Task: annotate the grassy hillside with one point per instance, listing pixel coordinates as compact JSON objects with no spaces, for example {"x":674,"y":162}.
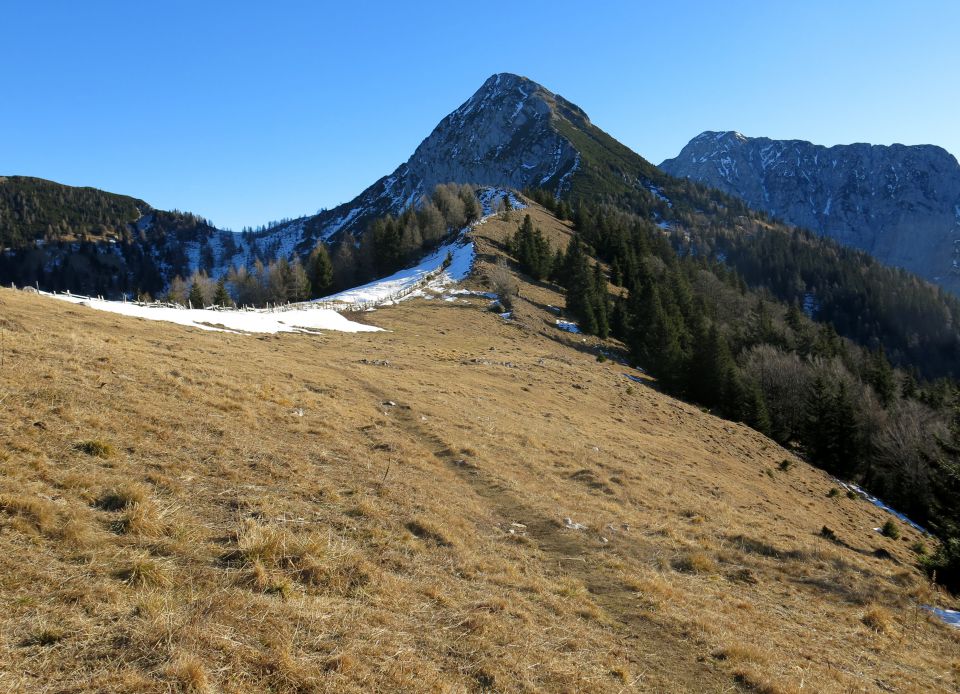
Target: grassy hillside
{"x":192,"y":511}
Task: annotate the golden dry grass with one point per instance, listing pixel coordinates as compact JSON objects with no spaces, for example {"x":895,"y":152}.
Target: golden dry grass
{"x":230,"y":543}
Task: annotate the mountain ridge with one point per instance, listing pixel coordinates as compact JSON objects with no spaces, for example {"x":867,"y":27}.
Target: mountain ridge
{"x":900,"y":203}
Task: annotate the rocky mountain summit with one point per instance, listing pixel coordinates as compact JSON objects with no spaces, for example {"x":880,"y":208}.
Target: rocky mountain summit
{"x":503,"y":135}
{"x":899,"y":203}
{"x":511,"y":133}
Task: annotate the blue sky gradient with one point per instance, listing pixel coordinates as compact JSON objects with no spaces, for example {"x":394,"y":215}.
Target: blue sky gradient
{"x":248,"y":112}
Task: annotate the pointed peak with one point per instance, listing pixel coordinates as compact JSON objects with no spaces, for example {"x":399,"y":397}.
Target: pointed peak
{"x":505,"y":80}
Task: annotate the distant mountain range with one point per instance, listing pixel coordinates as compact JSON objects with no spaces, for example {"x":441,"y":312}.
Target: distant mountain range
{"x":900,"y":204}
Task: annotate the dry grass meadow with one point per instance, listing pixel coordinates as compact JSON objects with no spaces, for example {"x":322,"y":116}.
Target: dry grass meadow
{"x":208,"y":512}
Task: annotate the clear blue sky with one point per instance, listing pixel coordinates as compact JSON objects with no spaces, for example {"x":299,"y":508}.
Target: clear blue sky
{"x":247,"y":112}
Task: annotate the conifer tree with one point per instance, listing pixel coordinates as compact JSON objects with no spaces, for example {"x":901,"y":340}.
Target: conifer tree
{"x":320,"y":270}
{"x":556,"y":267}
{"x":846,"y":453}
{"x":880,"y":376}
{"x":278,"y":281}
{"x":618,"y":318}
{"x":710,"y":367}
{"x":221,"y":297}
{"x":345,"y":263}
{"x":600,"y":302}
{"x":816,"y":426}
{"x":581,"y":293}
{"x":196,"y":296}
{"x":794,"y":318}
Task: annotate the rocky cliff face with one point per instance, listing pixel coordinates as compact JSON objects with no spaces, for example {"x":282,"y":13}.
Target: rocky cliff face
{"x":901,"y":204}
{"x":509,"y":133}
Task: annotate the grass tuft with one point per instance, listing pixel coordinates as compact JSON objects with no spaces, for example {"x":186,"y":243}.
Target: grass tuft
{"x":190,"y":674}
{"x":140,"y":518}
{"x":36,"y":511}
{"x":696,"y":563}
{"x":144,"y":572}
{"x":96,"y":448}
{"x":879,"y":619}
{"x":121,"y":498}
{"x":46,"y":636}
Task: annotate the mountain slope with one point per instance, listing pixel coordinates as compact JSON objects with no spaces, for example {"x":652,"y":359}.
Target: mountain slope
{"x":511,"y":133}
{"x":94,"y":242}
{"x":900,"y":204}
{"x":396,"y":531}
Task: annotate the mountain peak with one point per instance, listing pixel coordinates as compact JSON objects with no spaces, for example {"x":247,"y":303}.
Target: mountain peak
{"x":506,"y":134}
{"x":900,"y":203}
{"x":511,"y":133}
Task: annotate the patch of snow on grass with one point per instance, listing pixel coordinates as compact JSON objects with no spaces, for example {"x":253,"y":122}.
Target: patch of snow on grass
{"x":490,"y":198}
{"x":471,"y":292}
{"x":879,"y":504}
{"x":568,"y":326}
{"x":951,"y":617}
{"x":299,"y":318}
{"x":405,"y":283}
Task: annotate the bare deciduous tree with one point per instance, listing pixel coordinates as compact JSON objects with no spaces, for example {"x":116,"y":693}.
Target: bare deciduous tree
{"x":503,"y":283}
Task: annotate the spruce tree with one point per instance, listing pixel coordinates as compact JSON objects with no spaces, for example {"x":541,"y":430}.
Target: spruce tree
{"x":618,"y":318}
{"x":600,"y":303}
{"x":581,"y":290}
{"x":846,"y":451}
{"x":345,"y":263}
{"x":556,"y":267}
{"x":222,"y":298}
{"x":880,"y":376}
{"x":196,"y":296}
{"x":320,"y":270}
{"x":816,"y":434}
{"x":710,"y":367}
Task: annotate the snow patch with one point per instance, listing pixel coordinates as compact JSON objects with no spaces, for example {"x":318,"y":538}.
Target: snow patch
{"x":520,"y":103}
{"x":568,"y":326}
{"x":339,"y":223}
{"x":296,"y":318}
{"x":951,"y":617}
{"x":879,"y":504}
{"x":490,"y":199}
{"x":658,"y":194}
{"x":403,"y":284}
{"x":565,"y":179}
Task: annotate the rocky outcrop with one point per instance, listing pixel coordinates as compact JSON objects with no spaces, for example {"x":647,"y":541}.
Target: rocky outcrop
{"x":900,"y":204}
